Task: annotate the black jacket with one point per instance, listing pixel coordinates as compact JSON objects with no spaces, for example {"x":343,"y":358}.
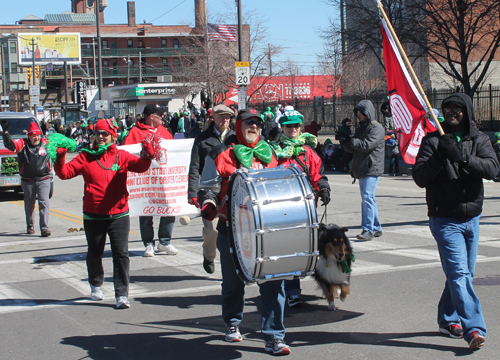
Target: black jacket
{"x":456,"y":189}
{"x":203,"y":143}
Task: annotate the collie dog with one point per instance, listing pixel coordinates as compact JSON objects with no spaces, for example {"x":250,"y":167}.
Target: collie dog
{"x":334,"y":263}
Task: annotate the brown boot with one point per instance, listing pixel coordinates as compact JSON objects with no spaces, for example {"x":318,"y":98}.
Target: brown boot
{"x":46,"y":232}
{"x":31,"y":230}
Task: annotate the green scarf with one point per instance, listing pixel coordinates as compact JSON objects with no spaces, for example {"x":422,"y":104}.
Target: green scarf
{"x":245,"y":154}
{"x":293,"y":147}
{"x":101,"y":149}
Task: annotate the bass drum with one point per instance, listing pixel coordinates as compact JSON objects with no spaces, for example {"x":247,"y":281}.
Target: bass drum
{"x":272,"y":224}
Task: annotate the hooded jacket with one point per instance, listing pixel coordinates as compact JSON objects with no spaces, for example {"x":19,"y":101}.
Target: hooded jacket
{"x":368,"y":144}
{"x":34,"y":162}
{"x":140,"y":130}
{"x":456,"y":189}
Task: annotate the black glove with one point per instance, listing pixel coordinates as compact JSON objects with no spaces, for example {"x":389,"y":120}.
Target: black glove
{"x":448,"y":148}
{"x":5,"y":125}
{"x":324,"y":195}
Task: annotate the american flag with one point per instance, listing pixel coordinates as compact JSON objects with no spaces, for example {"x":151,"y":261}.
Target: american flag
{"x":222,"y":32}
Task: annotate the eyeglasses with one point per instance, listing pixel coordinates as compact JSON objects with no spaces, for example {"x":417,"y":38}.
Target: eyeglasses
{"x":102,"y":133}
{"x":454,"y":110}
{"x":292,"y":125}
{"x":251,"y":122}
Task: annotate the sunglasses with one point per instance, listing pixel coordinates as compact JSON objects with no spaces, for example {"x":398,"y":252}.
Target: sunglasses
{"x":251,"y":122}
{"x":290,"y":126}
{"x":454,"y":110}
{"x":102,"y":133}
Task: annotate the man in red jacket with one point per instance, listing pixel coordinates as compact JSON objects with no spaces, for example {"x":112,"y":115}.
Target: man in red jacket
{"x":151,"y":123}
{"x":245,"y":149}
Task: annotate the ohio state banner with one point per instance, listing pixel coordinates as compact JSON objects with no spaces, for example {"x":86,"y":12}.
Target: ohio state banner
{"x":162,"y":190}
{"x":407,"y":105}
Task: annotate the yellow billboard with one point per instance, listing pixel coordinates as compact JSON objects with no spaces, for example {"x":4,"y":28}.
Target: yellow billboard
{"x":49,"y":48}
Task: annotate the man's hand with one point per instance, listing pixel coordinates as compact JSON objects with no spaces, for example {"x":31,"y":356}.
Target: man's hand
{"x":447,"y":148}
{"x":324,"y":195}
{"x":147,"y":151}
{"x":5,"y":125}
{"x":208,"y":212}
{"x":194,"y":201}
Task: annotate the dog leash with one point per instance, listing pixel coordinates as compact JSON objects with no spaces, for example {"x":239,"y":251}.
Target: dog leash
{"x":325,"y":216}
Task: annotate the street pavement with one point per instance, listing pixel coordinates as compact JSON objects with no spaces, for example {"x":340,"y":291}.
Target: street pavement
{"x":46,"y":313}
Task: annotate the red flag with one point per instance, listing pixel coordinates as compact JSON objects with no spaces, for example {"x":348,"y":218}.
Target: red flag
{"x":407,"y":105}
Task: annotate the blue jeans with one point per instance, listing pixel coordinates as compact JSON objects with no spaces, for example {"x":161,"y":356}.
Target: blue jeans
{"x":272,"y":296}
{"x":457,"y":241}
{"x":369,"y":211}
{"x":164,"y":230}
{"x":394,"y":163}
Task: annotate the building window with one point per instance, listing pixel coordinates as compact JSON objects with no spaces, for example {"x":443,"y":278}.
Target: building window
{"x":163,"y":43}
{"x":140,"y":45}
{"x":13,"y":68}
{"x":176,"y":43}
{"x":13,"y":47}
{"x":130,"y":43}
{"x":164,"y":63}
{"x":105,"y":64}
{"x":113,"y":45}
{"x":177,"y":62}
{"x":105,"y":44}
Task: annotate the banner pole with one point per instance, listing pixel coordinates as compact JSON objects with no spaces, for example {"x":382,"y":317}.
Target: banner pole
{"x":409,"y":66}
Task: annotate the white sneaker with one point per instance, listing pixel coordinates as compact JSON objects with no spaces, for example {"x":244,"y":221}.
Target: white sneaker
{"x":150,"y":250}
{"x":169,"y":249}
{"x":122,"y":302}
{"x":96,"y":293}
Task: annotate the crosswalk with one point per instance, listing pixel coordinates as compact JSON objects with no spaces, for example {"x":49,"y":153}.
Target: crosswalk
{"x":69,"y":270}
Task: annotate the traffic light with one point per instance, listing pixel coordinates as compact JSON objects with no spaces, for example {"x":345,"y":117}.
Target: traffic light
{"x":37,"y":71}
{"x":29,"y":73}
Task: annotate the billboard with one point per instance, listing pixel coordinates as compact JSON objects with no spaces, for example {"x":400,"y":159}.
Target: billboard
{"x":49,"y":48}
{"x":286,"y":88}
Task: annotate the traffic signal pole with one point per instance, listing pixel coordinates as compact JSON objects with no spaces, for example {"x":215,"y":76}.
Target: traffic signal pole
{"x":33,"y":69}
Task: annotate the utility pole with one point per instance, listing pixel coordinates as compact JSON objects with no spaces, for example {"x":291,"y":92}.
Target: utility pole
{"x":99,"y":50}
{"x":33,"y":59}
{"x":128,"y":69}
{"x":140,"y":67}
{"x":240,"y":32}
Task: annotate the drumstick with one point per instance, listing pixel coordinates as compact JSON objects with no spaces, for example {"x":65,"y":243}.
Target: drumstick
{"x":185,"y":220}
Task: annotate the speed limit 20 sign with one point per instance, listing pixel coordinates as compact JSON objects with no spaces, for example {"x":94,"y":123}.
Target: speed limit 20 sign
{"x":242,"y":72}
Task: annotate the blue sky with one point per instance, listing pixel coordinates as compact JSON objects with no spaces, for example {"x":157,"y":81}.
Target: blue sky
{"x":293,"y":24}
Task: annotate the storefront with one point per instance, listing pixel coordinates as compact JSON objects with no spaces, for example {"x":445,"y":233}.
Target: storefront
{"x":131,"y":99}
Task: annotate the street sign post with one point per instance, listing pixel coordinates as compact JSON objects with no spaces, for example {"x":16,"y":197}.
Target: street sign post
{"x":34,"y":100}
{"x":5,"y":102}
{"x":242,"y":69}
{"x":34,"y":90}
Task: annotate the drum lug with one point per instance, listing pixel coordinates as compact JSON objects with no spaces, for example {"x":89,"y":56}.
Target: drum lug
{"x":315,"y":225}
{"x":259,"y":260}
{"x":260,"y":232}
{"x":309,"y":197}
{"x":315,"y":253}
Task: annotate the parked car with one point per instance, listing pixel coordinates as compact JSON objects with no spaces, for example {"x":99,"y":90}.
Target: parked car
{"x":9,"y":172}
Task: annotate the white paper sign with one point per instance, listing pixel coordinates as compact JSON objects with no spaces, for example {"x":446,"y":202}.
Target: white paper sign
{"x":162,"y":190}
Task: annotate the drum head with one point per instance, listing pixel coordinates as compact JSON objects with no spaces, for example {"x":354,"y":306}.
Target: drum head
{"x":241,"y":230}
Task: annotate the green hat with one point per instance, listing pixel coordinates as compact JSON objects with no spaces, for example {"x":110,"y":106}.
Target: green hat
{"x":497,"y":135}
{"x":291,"y":117}
{"x":186,"y":112}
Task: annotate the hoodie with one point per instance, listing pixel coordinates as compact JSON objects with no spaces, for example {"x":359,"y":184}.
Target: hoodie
{"x":368,"y":144}
{"x":455,"y":189}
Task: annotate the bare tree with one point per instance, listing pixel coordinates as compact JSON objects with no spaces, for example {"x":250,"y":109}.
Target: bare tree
{"x":461,"y":37}
{"x":330,"y":64}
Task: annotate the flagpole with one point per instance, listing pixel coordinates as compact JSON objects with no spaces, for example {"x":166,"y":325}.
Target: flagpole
{"x":409,"y":66}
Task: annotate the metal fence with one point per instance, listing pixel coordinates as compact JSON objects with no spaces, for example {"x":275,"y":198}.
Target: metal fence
{"x":329,"y":112}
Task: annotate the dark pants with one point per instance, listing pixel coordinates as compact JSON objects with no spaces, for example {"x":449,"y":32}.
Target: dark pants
{"x":117,"y":230}
{"x":164,"y":230}
{"x":31,"y":190}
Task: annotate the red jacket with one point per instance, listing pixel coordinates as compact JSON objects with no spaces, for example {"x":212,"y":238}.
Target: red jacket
{"x":314,"y":166}
{"x":140,"y":130}
{"x":105,"y":191}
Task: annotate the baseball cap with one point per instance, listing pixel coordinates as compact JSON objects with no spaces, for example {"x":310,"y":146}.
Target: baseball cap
{"x":222,"y":110}
{"x":153,"y":109}
{"x":245,"y":114}
{"x":291,"y":117}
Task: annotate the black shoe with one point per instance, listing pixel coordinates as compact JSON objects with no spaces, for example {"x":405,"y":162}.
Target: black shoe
{"x":365,"y":235}
{"x":46,"y":233}
{"x":294,"y":300}
{"x":209,"y":266}
{"x":377,"y":233}
{"x":453,"y":330}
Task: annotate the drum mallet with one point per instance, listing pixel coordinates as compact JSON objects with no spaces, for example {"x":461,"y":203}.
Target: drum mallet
{"x":185,"y":220}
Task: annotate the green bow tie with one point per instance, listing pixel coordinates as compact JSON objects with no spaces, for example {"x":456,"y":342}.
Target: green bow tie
{"x":261,"y":151}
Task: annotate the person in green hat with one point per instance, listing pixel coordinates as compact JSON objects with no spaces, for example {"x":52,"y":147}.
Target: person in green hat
{"x":296,"y":147}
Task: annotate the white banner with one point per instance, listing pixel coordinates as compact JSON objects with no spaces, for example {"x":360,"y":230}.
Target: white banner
{"x":162,"y":190}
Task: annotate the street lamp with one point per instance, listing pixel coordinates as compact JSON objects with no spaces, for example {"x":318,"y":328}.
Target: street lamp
{"x":129,"y":62}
